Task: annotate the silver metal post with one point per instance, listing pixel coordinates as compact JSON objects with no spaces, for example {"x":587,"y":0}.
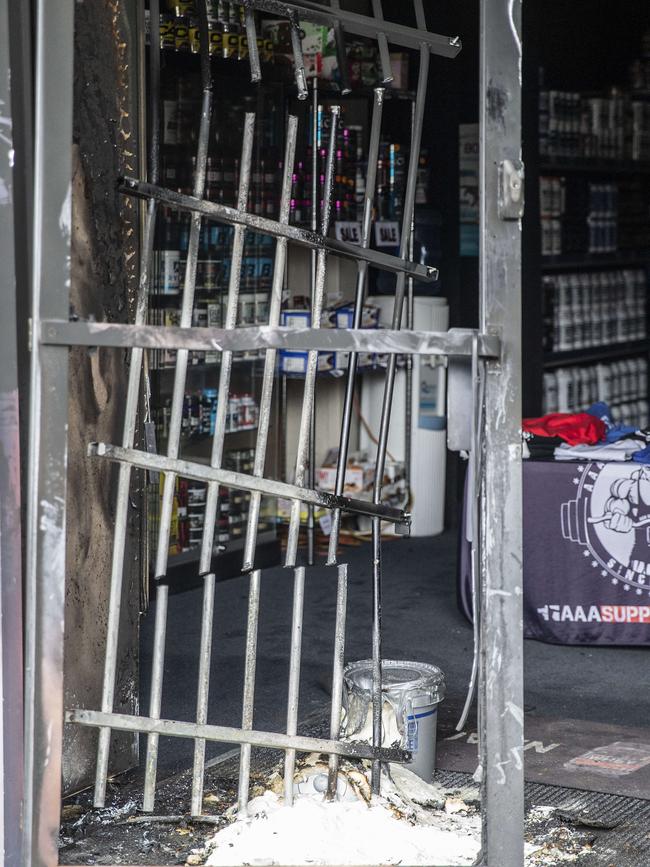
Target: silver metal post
{"x":362,"y":279}
{"x":176,"y":415}
{"x":249,"y":687}
{"x":212,"y":493}
{"x":46,"y":529}
{"x":337,"y":674}
{"x":268,"y":375}
{"x":312,"y":357}
{"x":294,"y":679}
{"x":501,"y":714}
{"x":409,"y":203}
{"x":11,"y":577}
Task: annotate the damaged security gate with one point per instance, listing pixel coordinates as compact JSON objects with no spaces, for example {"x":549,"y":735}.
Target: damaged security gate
{"x":493,"y":351}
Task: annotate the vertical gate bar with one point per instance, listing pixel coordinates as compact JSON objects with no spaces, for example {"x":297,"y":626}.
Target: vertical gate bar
{"x":408,"y":390}
{"x":251,"y":37}
{"x":230,"y":321}
{"x":501,"y":669}
{"x":409,"y":204}
{"x":203,"y":691}
{"x":312,"y":357}
{"x":45,"y":542}
{"x":249,"y":687}
{"x":155,"y":695}
{"x":337,"y":674}
{"x":420,"y":18}
{"x":341,"y":53}
{"x":382,"y":42}
{"x":187,"y":305}
{"x":270,"y":355}
{"x":294,"y":679}
{"x":377,"y":701}
{"x":212,"y":495}
{"x":312,"y":258}
{"x":474,"y":493}
{"x":298,"y":59}
{"x":178,"y":392}
{"x":359,"y":298}
{"x":130,"y":417}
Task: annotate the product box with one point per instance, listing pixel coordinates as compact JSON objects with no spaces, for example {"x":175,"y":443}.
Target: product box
{"x":359,"y":474}
{"x":344,"y":316}
{"x":283,"y":511}
{"x":365,"y":360}
{"x":314,"y":40}
{"x":295,"y":318}
{"x":293,"y":362}
{"x":399,"y":64}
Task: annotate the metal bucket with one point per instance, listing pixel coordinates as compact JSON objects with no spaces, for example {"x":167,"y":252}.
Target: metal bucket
{"x":412,"y":692}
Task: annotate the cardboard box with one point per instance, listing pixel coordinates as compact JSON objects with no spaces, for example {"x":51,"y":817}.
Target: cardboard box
{"x":399,"y":64}
{"x":358,"y":477}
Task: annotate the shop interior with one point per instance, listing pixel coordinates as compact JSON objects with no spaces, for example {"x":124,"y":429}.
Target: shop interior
{"x":585,"y":280}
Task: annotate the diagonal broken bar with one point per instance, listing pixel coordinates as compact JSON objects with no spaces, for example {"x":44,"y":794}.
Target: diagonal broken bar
{"x":264,"y":226}
{"x":230,"y":735}
{"x":203,"y":473}
{"x":363,"y":25}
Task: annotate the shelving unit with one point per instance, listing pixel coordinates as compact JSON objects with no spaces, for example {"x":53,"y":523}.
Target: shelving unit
{"x":272,"y":100}
{"x":180,"y":109}
{"x":589,"y":288}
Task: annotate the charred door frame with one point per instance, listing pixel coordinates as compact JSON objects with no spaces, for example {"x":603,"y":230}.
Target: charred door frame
{"x":500,"y":712}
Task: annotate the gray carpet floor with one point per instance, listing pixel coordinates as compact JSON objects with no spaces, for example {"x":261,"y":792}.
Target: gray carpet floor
{"x":421,"y":621}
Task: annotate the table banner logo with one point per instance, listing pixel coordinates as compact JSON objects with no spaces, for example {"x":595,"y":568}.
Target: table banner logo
{"x":610,"y":519}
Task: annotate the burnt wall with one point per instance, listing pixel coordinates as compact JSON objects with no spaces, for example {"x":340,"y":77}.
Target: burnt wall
{"x":103,"y":283}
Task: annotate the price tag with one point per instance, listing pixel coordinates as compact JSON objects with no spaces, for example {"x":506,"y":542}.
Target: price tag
{"x":348,"y":232}
{"x":387,"y":234}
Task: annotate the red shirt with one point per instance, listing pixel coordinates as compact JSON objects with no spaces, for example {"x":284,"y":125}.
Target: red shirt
{"x":575,"y":428}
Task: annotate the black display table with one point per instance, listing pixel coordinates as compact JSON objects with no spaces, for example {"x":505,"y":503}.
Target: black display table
{"x":584,"y":582}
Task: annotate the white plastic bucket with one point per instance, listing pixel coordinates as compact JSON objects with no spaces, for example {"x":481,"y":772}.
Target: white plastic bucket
{"x":412,"y":692}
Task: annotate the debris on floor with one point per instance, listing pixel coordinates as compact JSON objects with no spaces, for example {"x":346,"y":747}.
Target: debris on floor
{"x":392,"y":829}
{"x":551,"y":841}
{"x":574,"y":829}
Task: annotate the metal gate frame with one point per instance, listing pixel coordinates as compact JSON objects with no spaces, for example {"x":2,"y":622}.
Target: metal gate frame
{"x":495,"y":349}
{"x":11,"y":637}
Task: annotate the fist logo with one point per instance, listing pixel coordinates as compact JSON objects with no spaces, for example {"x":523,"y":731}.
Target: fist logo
{"x":617,"y":512}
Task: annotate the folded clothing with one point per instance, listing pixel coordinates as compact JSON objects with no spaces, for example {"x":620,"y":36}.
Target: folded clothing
{"x":602,"y":411}
{"x":618,"y":432}
{"x":574,"y":428}
{"x":622,"y":450}
{"x":642,"y":456}
{"x":541,"y":447}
